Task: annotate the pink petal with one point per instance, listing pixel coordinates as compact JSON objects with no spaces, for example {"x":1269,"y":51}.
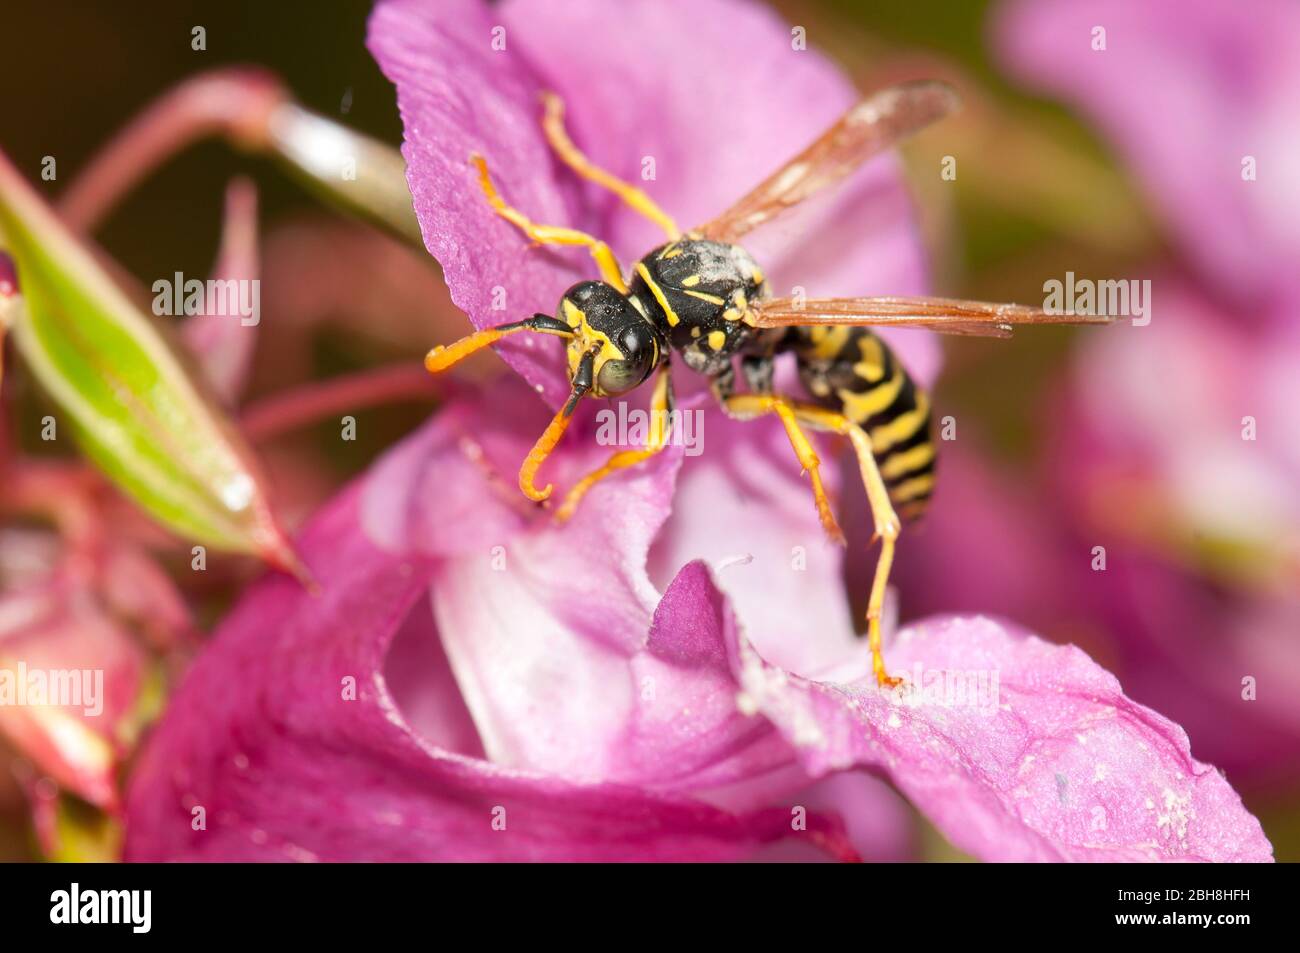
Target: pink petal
{"x":1069,"y":770}
{"x":879,"y":826}
{"x":261,"y":737}
{"x":458,"y":96}
{"x":744,"y":507}
{"x":451,"y":486}
{"x":1054,"y":764}
{"x":1187,"y":647}
{"x":554,"y":632}
{"x":546,"y":626}
{"x":640,"y":93}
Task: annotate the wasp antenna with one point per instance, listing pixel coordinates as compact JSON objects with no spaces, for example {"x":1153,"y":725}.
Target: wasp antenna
{"x":444,"y":356}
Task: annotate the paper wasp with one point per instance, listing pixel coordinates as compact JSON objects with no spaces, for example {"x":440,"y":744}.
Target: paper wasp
{"x":704,"y":297}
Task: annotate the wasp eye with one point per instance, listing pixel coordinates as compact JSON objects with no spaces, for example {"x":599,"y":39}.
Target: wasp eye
{"x":619,"y":377}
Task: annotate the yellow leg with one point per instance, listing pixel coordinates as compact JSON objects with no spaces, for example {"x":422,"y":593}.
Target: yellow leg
{"x":660,"y":404}
{"x":633,"y":197}
{"x":887,"y":524}
{"x":749,"y":406}
{"x":551,"y":234}
{"x":580,"y":387}
{"x":537,"y":456}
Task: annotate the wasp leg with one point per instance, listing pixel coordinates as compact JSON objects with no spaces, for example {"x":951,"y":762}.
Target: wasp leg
{"x":749,"y":406}
{"x":887,"y":525}
{"x":444,"y":356}
{"x":551,"y":234}
{"x":661,"y":405}
{"x":633,"y":197}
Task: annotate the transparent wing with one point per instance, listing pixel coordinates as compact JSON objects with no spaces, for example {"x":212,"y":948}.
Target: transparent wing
{"x":946,"y":315}
{"x":872,"y":126}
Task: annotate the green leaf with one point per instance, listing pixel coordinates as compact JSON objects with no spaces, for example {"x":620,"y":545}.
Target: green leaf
{"x":133,"y":407}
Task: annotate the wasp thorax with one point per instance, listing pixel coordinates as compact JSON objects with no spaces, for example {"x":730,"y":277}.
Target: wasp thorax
{"x":624,"y":344}
{"x":701,"y":292}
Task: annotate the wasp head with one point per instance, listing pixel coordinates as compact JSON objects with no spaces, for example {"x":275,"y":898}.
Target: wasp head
{"x":614,"y":346}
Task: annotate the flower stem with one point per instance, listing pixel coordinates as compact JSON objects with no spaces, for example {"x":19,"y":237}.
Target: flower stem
{"x":234,"y":103}
{"x":254,"y":112}
{"x":10,"y":302}
{"x":348,"y":392}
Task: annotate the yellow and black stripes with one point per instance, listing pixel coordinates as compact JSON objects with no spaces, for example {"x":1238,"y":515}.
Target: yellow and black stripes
{"x":853,"y":371}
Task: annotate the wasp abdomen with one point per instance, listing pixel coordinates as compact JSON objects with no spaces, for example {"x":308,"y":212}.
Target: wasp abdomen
{"x":853,"y":371}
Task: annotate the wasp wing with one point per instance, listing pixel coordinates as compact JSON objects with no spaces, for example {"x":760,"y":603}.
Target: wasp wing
{"x":872,"y":126}
{"x":947,"y":315}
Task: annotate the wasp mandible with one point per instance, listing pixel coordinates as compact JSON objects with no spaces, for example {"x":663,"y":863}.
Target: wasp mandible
{"x":702,"y":296}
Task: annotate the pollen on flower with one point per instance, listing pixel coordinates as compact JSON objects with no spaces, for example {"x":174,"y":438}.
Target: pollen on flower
{"x":1176,"y":813}
{"x":808,"y":734}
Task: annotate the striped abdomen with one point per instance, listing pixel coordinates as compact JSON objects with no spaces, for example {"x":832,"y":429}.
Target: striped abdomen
{"x":852,"y":370}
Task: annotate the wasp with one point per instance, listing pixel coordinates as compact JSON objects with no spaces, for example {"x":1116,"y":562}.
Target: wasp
{"x":704,"y":299}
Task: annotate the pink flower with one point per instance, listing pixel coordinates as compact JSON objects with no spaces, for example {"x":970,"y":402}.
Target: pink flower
{"x":596,"y":719}
{"x":70,"y":673}
{"x":475,"y":681}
